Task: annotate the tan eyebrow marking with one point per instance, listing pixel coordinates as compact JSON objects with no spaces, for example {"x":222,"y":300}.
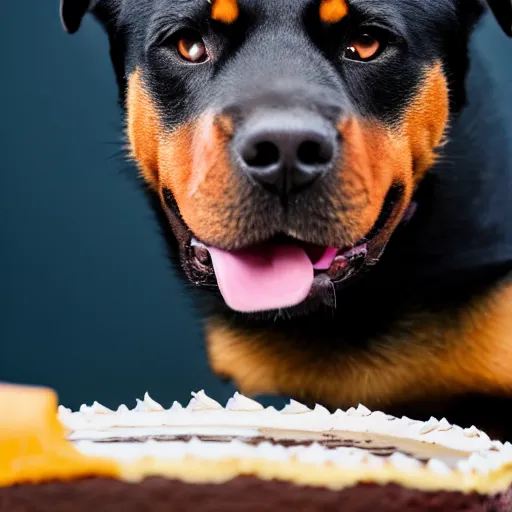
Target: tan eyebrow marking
{"x":225,"y":11}
{"x":333,"y":11}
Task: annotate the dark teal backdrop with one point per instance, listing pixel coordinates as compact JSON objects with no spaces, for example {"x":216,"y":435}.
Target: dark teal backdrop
{"x":88,"y":302}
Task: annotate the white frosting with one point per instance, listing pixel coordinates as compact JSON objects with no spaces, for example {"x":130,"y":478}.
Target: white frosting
{"x":444,"y":426}
{"x":243,"y":404}
{"x":403,"y":462}
{"x":246,"y":418}
{"x":472,"y":432}
{"x":497,"y":445}
{"x":431,"y":425}
{"x":321,"y":411}
{"x":151,"y":404}
{"x":295,"y":407}
{"x":97,"y":408}
{"x":407,"y":421}
{"x":86,"y":410}
{"x":148,"y":405}
{"x":438,"y":467}
{"x":362,"y":411}
{"x":201,"y":402}
{"x":176,"y":406}
{"x":380,"y":416}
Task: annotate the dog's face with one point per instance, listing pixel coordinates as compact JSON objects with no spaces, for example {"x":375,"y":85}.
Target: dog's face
{"x":285,"y":139}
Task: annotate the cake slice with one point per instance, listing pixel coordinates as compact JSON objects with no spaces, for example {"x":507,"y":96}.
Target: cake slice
{"x":241,"y":457}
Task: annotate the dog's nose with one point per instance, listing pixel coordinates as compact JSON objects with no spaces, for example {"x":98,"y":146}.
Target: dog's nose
{"x":286,"y":152}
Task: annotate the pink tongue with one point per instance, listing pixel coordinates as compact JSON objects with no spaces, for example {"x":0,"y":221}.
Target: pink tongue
{"x":263,"y":278}
{"x":325,"y":261}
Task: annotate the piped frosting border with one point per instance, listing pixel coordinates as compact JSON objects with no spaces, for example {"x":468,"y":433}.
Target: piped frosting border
{"x":240,"y":412}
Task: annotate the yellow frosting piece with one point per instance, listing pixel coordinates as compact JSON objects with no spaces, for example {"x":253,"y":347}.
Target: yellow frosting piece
{"x":33,"y":447}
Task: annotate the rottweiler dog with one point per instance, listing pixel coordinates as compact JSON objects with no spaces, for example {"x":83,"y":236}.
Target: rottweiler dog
{"x":335,"y":184}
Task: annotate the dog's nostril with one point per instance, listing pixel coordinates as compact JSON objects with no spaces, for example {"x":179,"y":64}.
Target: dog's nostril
{"x":262,"y":154}
{"x":313,"y":153}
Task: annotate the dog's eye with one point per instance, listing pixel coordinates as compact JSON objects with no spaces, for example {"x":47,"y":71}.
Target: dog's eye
{"x":365,"y":47}
{"x":191,"y":47}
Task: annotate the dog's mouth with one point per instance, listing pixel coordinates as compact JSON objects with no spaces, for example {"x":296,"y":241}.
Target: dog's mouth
{"x":283,"y":272}
{"x":277,"y":274}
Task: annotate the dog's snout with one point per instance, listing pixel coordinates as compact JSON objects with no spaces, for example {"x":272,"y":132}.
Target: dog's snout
{"x":286,"y":152}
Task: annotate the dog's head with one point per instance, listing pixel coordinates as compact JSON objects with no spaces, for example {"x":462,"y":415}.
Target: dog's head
{"x":286,"y":139}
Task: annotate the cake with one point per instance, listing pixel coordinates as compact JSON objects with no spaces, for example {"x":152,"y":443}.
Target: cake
{"x":242,"y":457}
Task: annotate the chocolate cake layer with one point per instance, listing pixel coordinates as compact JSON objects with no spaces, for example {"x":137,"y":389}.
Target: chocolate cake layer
{"x":241,"y":494}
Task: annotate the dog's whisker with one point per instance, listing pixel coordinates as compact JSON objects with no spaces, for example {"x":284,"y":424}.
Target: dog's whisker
{"x":334,"y":295}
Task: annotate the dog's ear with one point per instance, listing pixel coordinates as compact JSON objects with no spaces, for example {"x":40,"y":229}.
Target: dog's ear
{"x":72,"y":12}
{"x":107,"y":13}
{"x":502,"y":10}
